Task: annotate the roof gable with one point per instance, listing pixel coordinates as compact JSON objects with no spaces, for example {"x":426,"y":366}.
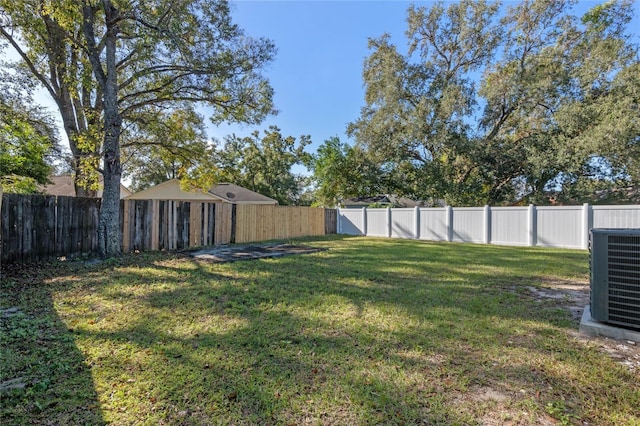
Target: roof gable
{"x":239,"y":195}
{"x":63,"y":186}
{"x":171,"y":190}
{"x":222,"y":192}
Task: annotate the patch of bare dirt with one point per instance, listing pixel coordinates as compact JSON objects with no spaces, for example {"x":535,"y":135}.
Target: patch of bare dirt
{"x":496,"y":407}
{"x":221,"y":254}
{"x":487,"y":393}
{"x":574,"y":296}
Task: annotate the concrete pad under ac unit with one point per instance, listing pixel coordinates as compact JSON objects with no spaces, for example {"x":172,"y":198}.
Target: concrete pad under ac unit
{"x":592,"y":327}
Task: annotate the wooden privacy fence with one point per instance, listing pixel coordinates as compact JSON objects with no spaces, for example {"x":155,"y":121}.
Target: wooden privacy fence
{"x":37,"y":227}
{"x":330,"y":221}
{"x":34,"y":227}
{"x":174,"y":225}
{"x":267,"y":222}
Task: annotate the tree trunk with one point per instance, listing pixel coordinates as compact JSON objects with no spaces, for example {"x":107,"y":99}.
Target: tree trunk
{"x":109,"y":225}
{"x":109,"y":231}
{"x":71,"y":121}
{"x":109,"y":235}
{"x":72,"y":109}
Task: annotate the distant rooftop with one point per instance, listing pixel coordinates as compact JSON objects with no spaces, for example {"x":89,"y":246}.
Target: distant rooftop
{"x":238,"y":194}
{"x":63,"y":186}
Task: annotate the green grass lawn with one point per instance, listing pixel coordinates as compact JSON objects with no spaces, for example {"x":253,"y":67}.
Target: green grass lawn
{"x":371,"y":331}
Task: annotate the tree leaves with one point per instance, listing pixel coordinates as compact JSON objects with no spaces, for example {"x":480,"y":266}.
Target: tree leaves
{"x":28,"y":141}
{"x":264,"y":164}
{"x":495,"y":107}
{"x":169,"y":55}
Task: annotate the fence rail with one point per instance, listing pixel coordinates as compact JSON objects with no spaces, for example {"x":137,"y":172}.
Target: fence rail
{"x":564,"y":227}
{"x":37,"y":227}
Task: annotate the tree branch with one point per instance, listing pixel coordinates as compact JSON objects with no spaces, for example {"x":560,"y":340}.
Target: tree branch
{"x":93,"y":52}
{"x":30,"y":64}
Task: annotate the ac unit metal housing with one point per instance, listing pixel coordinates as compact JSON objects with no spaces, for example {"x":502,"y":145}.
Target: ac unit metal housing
{"x":615,"y":276}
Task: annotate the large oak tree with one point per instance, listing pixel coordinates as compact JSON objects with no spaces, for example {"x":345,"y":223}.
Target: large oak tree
{"x":494,"y":105}
{"x":264,"y":163}
{"x":115,"y":64}
{"x":340,"y":171}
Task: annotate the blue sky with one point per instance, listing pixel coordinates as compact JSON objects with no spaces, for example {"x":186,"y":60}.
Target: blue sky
{"x":317,"y":73}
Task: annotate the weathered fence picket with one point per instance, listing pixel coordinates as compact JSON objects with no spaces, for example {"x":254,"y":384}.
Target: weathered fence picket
{"x":330,"y":221}
{"x":37,"y":227}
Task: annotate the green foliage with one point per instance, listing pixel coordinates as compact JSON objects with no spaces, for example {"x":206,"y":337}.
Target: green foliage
{"x":164,"y":145}
{"x":341,"y":171}
{"x":48,"y":40}
{"x":370,"y":331}
{"x":263,"y":164}
{"x":108,"y":64}
{"x":554,"y":95}
{"x":28,"y":141}
{"x":169,"y":56}
{"x":14,"y":184}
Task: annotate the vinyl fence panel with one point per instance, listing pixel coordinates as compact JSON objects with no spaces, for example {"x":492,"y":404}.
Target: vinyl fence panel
{"x":560,"y":227}
{"x":377,"y":225}
{"x":433,"y":224}
{"x":468,"y":224}
{"x":616,"y":216}
{"x":509,"y":225}
{"x":403,"y":223}
{"x":563,"y":226}
{"x":351,"y":222}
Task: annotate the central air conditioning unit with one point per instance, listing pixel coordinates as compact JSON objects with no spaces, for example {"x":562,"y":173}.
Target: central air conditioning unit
{"x":615,"y":276}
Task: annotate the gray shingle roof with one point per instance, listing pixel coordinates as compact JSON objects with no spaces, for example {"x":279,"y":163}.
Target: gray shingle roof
{"x":63,"y":186}
{"x":238,"y":194}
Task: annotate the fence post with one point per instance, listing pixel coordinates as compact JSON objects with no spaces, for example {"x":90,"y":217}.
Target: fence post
{"x":416,"y":223}
{"x":364,"y":221}
{"x":1,"y":243}
{"x":487,"y":224}
{"x":389,"y":222}
{"x":234,"y":224}
{"x":449,"y":213}
{"x":338,"y":221}
{"x":587,"y":224}
{"x":126,"y":230}
{"x":532,"y":237}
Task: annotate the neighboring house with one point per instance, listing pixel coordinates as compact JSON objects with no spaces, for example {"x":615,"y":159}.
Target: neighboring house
{"x":389,"y":200}
{"x":220,"y":193}
{"x":63,"y":185}
{"x":360,"y":202}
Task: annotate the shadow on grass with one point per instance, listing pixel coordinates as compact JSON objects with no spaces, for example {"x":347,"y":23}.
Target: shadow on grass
{"x":369,"y":332}
{"x":44,"y":378}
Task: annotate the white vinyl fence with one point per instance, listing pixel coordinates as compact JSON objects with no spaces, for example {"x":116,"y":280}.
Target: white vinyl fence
{"x":565,"y":227}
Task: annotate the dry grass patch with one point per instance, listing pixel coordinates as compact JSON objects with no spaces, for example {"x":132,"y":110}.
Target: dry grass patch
{"x":368,"y":332}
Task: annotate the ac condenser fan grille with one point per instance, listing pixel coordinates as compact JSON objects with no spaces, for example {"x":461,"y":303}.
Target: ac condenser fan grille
{"x":624,"y":279}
